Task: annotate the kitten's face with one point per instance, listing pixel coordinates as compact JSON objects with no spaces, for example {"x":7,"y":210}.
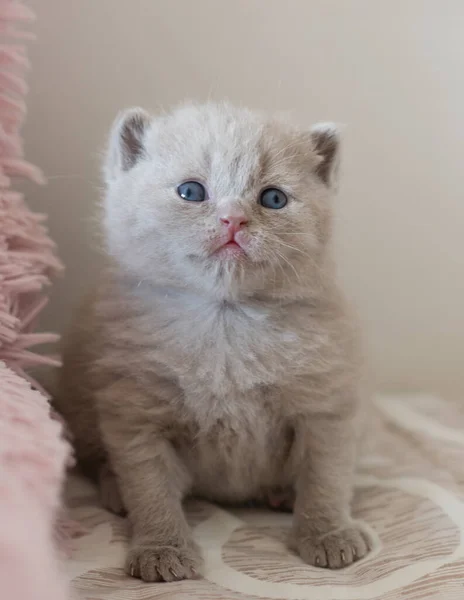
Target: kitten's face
{"x":219,"y":198}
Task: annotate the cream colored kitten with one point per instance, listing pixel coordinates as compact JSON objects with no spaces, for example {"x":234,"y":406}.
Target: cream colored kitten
{"x":216,"y":356}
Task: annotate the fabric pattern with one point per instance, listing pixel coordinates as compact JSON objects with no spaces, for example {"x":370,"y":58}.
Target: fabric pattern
{"x":409,"y":494}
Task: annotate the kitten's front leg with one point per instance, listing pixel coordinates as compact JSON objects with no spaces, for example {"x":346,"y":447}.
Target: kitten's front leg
{"x":153,"y":482}
{"x":324,"y":533}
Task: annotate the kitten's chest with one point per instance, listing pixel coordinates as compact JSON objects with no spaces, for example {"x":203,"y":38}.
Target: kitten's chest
{"x":225,"y":348}
{"x":240,"y":457}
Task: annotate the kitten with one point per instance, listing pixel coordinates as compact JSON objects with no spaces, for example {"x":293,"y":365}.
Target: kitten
{"x":217,"y":357}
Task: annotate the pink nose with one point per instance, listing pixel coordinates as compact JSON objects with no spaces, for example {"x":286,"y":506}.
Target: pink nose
{"x":234,"y":221}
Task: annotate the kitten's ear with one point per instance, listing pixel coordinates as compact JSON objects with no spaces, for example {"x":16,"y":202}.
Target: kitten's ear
{"x":126,"y":142}
{"x":326,"y":143}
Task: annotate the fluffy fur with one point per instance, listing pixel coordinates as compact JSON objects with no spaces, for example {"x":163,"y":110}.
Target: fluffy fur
{"x":231,"y":376}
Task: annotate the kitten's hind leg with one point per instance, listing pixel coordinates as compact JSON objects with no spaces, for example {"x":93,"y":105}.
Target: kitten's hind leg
{"x":108,"y":487}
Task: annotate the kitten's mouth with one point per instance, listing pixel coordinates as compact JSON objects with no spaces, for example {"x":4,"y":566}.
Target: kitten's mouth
{"x":232,"y":244}
{"x":231,"y":249}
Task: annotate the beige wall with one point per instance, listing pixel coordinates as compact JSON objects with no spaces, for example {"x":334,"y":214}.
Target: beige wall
{"x":391,"y":70}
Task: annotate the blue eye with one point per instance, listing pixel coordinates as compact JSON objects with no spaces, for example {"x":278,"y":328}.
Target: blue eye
{"x":273,"y":198}
{"x":192,"y":191}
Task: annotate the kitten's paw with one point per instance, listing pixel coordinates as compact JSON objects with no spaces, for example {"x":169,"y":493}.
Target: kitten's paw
{"x":110,"y":496}
{"x":163,"y":563}
{"x":334,"y":550}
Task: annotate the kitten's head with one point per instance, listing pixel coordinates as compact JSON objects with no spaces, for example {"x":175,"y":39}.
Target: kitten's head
{"x":220,"y":199}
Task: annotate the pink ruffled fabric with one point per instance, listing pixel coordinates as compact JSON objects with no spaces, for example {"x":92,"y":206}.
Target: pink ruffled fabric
{"x":27,"y":255}
{"x":33,"y":453}
{"x":32,"y":462}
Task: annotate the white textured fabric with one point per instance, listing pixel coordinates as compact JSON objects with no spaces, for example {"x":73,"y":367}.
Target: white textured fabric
{"x":410,"y":494}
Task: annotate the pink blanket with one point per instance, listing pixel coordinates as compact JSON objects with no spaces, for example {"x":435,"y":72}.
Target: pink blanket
{"x":32,"y":463}
{"x":33,"y":454}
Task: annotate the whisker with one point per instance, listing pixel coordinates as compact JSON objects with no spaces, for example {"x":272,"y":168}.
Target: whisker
{"x":314,"y":265}
{"x":280,"y":255}
{"x":293,"y":144}
{"x":294,"y":248}
{"x":284,"y":160}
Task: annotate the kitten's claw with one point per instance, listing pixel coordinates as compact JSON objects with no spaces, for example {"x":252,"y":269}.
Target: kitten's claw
{"x":334,"y":550}
{"x":132,"y":571}
{"x":151,"y":562}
